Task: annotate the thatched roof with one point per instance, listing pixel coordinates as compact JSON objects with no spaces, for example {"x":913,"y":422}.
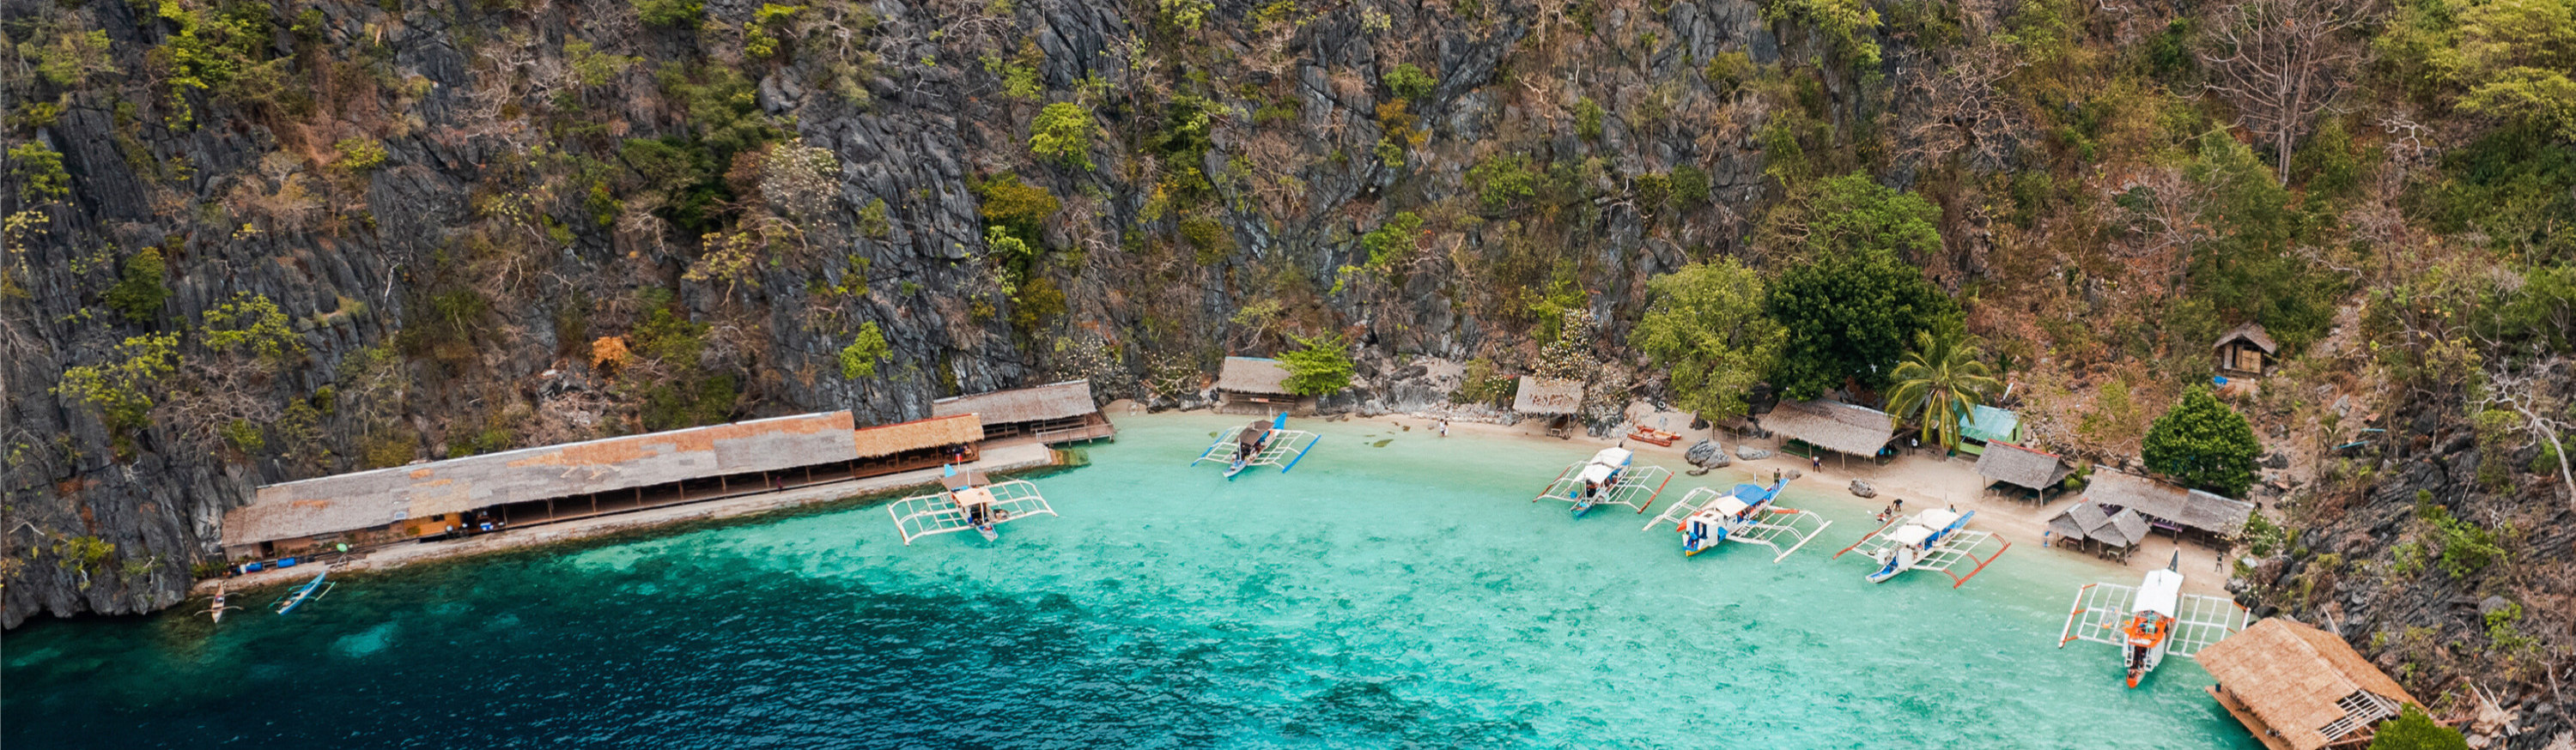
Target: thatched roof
{"x":2089,"y":520}
{"x":2292,"y":676}
{"x":2202,"y":510}
{"x":1071,"y":398}
{"x":1253,"y":375}
{"x":2170,"y":502}
{"x":1989,"y":424}
{"x":1833,"y":426}
{"x":348,"y":502}
{"x":1548,"y":396}
{"x":2251,"y":333}
{"x":2021,"y":467}
{"x":935,"y":432}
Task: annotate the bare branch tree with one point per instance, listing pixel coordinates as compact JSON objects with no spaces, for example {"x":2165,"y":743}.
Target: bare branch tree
{"x":2524,"y":393}
{"x":2280,"y":62}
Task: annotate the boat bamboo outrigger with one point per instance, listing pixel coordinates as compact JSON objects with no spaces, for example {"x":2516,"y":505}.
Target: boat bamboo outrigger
{"x":968,"y":501}
{"x":2151,"y":619}
{"x":1608,"y":478}
{"x":312,"y":590}
{"x":1265,"y":442}
{"x":216,"y":610}
{"x":1937,"y":539}
{"x":1706,"y":517}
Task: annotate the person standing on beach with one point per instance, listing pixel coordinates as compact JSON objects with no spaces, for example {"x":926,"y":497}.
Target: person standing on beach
{"x":1816,"y":460}
{"x":1444,"y":428}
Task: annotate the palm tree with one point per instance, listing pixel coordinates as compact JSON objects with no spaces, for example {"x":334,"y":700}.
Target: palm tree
{"x":1939,"y":383}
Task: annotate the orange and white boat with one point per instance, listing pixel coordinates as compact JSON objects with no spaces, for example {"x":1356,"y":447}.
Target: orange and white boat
{"x":2151,"y":619}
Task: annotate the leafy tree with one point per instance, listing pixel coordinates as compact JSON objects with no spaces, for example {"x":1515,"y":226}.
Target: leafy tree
{"x":139,"y":292}
{"x":2412,"y":730}
{"x":1410,"y":82}
{"x":121,"y":387}
{"x":1319,"y":366}
{"x":2203,"y":443}
{"x":1939,"y":382}
{"x":1847,"y":25}
{"x":2505,"y":58}
{"x":253,"y":324}
{"x":860,"y":358}
{"x":1855,"y":213}
{"x":40,"y":172}
{"x":1706,"y":327}
{"x":678,"y":14}
{"x":1849,"y":315}
{"x":1062,"y":132}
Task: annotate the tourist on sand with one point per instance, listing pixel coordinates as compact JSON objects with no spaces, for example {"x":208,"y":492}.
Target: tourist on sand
{"x":1444,"y":428}
{"x":1816,"y":460}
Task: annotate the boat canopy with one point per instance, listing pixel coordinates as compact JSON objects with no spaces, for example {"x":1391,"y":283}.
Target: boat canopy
{"x":1936,"y":519}
{"x":1912,"y":535}
{"x":2159,"y":592}
{"x":1729,"y":505}
{"x":973,"y":496}
{"x":1605,"y":463}
{"x":1614,"y":456}
{"x":1260,"y":428}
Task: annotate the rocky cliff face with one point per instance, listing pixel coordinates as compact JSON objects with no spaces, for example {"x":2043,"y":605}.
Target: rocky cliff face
{"x":490,"y":223}
{"x":2445,"y":556}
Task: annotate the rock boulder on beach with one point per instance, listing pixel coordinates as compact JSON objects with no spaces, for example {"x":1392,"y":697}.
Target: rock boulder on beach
{"x":1863,"y":489}
{"x":1750,"y":453}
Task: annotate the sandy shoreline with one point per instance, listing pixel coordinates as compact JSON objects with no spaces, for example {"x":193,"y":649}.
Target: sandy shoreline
{"x":1921,"y":480}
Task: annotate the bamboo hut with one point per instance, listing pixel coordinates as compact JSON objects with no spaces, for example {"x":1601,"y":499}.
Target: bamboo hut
{"x":1557,"y":401}
{"x":2106,"y":532}
{"x":918,"y":444}
{"x":2022,"y":472}
{"x":2246,"y":351}
{"x":2299,"y":688}
{"x":1055,"y":413}
{"x":1256,"y":385}
{"x":1833,"y":426}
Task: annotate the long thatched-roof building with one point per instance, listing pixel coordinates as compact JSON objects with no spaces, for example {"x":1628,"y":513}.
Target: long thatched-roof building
{"x":2170,"y":506}
{"x":2022,"y":471}
{"x":1833,"y":426}
{"x":2300,"y":688}
{"x":572,"y":480}
{"x":1257,"y":385}
{"x":1053,"y":413}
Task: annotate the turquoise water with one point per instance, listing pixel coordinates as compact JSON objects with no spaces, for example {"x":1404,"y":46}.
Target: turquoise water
{"x":1395,"y":590}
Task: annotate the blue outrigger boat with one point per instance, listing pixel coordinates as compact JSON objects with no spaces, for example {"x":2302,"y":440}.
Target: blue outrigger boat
{"x":309,"y":591}
{"x":1265,"y":442}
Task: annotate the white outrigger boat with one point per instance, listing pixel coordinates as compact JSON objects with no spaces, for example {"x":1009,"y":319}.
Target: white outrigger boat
{"x":1265,"y":442}
{"x":1937,"y":539}
{"x":1608,"y":478}
{"x":968,"y":501}
{"x":2151,"y":619}
{"x":312,"y":590}
{"x":216,"y":610}
{"x":1706,"y":517}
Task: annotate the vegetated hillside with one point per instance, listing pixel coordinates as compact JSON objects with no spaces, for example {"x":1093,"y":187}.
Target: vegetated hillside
{"x":255,"y":241}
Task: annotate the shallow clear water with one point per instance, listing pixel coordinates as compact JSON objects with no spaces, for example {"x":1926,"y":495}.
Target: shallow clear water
{"x":1394,"y":590}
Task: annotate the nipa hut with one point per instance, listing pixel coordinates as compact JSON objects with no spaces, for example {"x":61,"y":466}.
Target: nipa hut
{"x":918,"y":444}
{"x":2300,"y":688}
{"x":2246,"y":351}
{"x":2103,"y":531}
{"x":2022,"y":472}
{"x":1054,"y":413}
{"x":1833,"y":426}
{"x":1557,"y":401}
{"x":2169,"y":506}
{"x":1257,"y":385}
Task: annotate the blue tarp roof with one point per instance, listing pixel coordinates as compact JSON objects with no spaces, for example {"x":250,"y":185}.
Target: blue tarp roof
{"x":1990,"y":424}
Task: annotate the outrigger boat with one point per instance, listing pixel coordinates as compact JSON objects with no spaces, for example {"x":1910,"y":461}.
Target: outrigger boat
{"x":312,"y":590}
{"x":1706,"y":518}
{"x":1265,"y":442}
{"x":217,"y":610}
{"x":968,"y":501}
{"x":1936,"y":539}
{"x":1608,"y":478}
{"x":2151,"y":619}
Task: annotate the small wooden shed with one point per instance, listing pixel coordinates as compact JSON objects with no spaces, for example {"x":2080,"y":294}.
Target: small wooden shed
{"x":2023,"y":472}
{"x":2246,"y":351}
{"x":2104,"y":531}
{"x":1833,"y":426}
{"x":1556,"y":401}
{"x":1257,"y":385}
{"x":2300,"y":688}
{"x":1054,"y":413}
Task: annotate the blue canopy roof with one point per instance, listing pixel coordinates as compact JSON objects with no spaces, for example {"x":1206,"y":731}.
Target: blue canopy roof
{"x":1989,"y":424}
